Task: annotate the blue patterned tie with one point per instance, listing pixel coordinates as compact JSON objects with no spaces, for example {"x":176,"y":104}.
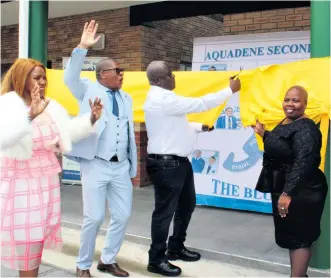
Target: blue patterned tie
{"x":115,"y":104}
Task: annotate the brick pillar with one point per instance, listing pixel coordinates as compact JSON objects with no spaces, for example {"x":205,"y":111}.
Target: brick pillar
{"x":142,"y":178}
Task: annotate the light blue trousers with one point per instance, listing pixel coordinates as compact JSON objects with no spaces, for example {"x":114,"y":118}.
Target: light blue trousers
{"x":103,"y":180}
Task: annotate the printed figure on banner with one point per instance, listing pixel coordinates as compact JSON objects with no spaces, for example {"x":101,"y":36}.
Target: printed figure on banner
{"x":228,"y":119}
{"x":198,"y":163}
{"x":214,"y":67}
{"x":205,"y":162}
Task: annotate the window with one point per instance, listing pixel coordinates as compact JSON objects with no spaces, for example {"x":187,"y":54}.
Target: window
{"x":185,"y":66}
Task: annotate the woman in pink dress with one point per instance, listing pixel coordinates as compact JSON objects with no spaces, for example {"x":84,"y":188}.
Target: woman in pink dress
{"x":32,"y":128}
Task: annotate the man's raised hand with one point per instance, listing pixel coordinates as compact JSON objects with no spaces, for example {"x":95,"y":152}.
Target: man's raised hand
{"x":88,"y":38}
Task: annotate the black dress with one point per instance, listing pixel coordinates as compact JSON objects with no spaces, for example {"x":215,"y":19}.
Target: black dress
{"x":291,"y":165}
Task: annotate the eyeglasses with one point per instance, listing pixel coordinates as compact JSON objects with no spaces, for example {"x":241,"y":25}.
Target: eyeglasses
{"x":117,"y":70}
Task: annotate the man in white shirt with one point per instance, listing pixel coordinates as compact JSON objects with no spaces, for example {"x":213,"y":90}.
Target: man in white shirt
{"x":171,"y":140}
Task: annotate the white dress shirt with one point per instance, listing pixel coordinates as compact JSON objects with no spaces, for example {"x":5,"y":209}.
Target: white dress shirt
{"x":168,"y":130}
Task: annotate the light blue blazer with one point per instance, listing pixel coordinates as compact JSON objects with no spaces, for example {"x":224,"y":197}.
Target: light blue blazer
{"x":84,"y":89}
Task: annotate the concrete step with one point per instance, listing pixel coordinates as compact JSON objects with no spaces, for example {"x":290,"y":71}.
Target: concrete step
{"x":134,"y":257}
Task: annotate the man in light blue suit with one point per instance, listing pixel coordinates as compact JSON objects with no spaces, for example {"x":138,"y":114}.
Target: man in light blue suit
{"x":108,"y":159}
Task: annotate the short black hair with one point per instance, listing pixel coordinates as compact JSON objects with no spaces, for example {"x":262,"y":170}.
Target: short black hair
{"x":100,"y":66}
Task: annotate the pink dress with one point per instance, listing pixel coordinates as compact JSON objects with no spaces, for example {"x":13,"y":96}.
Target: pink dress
{"x":30,"y":201}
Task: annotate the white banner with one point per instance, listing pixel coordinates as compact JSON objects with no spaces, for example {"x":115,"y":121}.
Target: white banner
{"x":227,"y":162}
{"x":70,"y":171}
{"x":250,"y":51}
{"x":89,"y":63}
{"x":70,"y":168}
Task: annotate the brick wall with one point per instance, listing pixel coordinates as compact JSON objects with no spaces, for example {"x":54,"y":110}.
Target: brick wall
{"x":132,"y":46}
{"x":122,"y":42}
{"x":268,"y":21}
{"x":172,"y":40}
{"x":142,"y":178}
{"x":9,"y":44}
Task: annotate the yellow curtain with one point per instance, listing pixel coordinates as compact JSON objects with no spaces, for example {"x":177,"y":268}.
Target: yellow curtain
{"x":260,"y":97}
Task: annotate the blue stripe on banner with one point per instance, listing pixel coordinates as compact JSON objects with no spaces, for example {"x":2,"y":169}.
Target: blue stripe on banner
{"x":71,"y":175}
{"x":231,"y":203}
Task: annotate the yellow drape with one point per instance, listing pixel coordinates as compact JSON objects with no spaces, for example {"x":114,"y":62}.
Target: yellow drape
{"x":260,"y":97}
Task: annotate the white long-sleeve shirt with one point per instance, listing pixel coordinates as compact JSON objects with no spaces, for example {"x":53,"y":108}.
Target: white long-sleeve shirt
{"x":168,"y":129}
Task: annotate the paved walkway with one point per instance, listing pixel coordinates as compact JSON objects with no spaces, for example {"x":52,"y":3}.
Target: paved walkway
{"x":45,"y":270}
{"x":239,"y":233}
{"x":133,"y":257}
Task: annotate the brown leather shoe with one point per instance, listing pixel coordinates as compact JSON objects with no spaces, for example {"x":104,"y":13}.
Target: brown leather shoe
{"x":113,"y":269}
{"x":83,"y":273}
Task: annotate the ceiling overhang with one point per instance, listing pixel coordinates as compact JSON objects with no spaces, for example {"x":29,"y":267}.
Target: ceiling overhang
{"x":10,"y":9}
{"x":142,"y":12}
{"x":177,"y":9}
